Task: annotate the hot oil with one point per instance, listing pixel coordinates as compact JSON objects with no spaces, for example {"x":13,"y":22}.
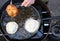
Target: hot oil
{"x":23,"y":14}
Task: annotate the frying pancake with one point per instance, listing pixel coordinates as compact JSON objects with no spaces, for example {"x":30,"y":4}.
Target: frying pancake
{"x":11,"y":27}
{"x":12,"y":10}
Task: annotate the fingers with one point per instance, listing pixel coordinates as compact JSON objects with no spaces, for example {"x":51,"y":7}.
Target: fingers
{"x":24,"y":3}
{"x":27,"y":3}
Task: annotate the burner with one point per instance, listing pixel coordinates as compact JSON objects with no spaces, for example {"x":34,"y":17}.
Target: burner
{"x":56,"y":32}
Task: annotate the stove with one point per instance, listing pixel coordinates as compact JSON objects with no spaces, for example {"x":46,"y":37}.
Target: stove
{"x":48,"y":27}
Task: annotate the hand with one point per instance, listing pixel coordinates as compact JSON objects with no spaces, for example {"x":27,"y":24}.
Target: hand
{"x":27,"y":3}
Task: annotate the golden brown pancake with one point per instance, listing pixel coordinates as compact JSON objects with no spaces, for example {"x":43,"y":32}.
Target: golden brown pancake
{"x":12,"y":10}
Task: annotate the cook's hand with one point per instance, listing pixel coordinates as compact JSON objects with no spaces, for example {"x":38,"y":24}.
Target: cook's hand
{"x":27,"y":3}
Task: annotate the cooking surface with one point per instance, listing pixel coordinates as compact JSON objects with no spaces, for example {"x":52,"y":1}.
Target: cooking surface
{"x":38,"y":35}
{"x":54,"y":7}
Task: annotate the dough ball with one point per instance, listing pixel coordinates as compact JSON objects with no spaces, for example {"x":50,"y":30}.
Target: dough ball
{"x":31,"y":25}
{"x":11,"y":27}
{"x":12,"y":10}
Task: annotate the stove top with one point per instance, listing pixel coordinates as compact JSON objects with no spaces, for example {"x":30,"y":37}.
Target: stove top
{"x":55,"y":28}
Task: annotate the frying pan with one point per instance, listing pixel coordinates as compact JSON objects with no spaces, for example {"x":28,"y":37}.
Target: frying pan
{"x":24,"y":13}
{"x":4,"y":13}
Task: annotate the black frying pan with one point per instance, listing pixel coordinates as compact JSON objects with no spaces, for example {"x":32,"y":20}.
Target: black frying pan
{"x":24,"y":13}
{"x":43,"y":7}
